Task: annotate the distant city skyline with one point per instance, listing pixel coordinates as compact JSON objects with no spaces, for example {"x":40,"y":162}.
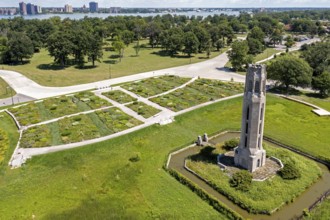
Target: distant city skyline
{"x":176,"y":3}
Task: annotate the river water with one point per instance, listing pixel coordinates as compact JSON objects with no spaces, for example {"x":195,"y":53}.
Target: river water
{"x":77,"y":16}
{"x":289,"y":211}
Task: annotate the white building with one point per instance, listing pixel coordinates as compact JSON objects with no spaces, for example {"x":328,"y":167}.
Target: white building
{"x":68,"y":9}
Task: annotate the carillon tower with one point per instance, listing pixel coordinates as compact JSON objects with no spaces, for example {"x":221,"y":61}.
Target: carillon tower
{"x":250,"y":153}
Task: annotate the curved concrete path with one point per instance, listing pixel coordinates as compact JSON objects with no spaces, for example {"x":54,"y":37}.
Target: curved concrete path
{"x":212,"y":68}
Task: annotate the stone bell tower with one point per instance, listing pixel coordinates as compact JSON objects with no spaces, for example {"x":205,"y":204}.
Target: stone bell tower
{"x":250,"y":153}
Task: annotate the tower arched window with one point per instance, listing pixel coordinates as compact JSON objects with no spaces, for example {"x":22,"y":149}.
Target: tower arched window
{"x":257,"y":87}
{"x":250,"y":86}
{"x":248,"y":113}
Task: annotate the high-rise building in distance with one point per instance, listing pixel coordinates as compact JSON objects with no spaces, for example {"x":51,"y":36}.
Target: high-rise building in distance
{"x":68,"y":8}
{"x":29,"y":9}
{"x":22,"y":8}
{"x":93,"y":7}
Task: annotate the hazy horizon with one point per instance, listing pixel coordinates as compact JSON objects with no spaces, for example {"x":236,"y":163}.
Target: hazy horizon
{"x":180,"y":3}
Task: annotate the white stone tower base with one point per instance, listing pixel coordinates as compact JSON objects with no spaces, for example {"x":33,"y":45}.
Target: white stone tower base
{"x":250,"y":160}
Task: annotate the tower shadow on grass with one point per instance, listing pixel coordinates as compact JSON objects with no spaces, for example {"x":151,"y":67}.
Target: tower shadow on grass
{"x":206,"y":155}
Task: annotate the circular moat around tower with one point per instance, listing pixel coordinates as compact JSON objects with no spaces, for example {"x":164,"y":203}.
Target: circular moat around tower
{"x":272,"y":165}
{"x":291,"y":210}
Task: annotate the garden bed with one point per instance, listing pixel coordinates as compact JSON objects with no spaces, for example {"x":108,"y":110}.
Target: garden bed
{"x":39,"y":136}
{"x":198,"y":92}
{"x":119,"y":96}
{"x":156,"y":85}
{"x":57,"y":107}
{"x":262,"y":197}
{"x":27,"y":114}
{"x":116,"y":120}
{"x":143,"y":109}
{"x":77,"y":128}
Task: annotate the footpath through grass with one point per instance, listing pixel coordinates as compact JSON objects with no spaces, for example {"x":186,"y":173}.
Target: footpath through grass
{"x":101,"y":182}
{"x":41,"y":68}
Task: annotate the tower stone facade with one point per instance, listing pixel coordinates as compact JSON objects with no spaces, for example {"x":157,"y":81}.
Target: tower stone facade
{"x":250,"y":153}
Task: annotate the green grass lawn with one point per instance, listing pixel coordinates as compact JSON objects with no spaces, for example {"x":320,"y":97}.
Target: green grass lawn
{"x":41,"y":69}
{"x":322,"y":211}
{"x":5,"y":92}
{"x":8,"y":129}
{"x":295,"y":124}
{"x":100,"y":182}
{"x":4,"y":143}
{"x":320,"y":102}
{"x":257,"y":199}
{"x":265,"y":54}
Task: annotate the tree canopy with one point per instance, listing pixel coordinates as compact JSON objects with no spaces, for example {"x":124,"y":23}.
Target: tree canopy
{"x":238,"y":55}
{"x":290,"y":71}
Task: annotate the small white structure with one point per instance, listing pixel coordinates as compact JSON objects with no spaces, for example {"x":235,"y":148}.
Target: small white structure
{"x":250,"y":153}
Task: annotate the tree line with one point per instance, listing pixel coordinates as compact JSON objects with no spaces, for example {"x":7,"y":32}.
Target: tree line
{"x":80,"y":41}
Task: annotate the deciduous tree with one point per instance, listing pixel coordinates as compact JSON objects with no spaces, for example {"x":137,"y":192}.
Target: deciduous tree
{"x":290,"y":71}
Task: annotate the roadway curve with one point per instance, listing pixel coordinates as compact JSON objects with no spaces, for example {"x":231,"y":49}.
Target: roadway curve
{"x":212,"y":68}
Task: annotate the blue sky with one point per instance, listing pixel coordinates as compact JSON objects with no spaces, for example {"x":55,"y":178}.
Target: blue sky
{"x":177,"y":3}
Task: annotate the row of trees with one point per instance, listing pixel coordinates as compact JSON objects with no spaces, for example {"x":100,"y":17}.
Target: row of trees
{"x":174,"y":33}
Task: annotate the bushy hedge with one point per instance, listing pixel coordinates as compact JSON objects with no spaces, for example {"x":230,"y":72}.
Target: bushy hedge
{"x":241,"y":180}
{"x":290,"y":171}
{"x":231,"y":144}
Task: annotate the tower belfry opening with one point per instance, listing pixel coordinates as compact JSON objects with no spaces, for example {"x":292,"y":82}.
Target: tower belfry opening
{"x":250,"y":153}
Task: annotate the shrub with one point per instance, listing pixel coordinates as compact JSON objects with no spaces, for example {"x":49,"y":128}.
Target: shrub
{"x":76,"y":118}
{"x":289,"y":171}
{"x":136,"y":157}
{"x":53,"y":107}
{"x":66,"y":133}
{"x":241,"y":180}
{"x":231,"y":144}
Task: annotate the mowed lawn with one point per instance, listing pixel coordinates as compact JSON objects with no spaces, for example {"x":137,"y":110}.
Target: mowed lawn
{"x":5,"y":92}
{"x":265,"y":54}
{"x":101,"y":182}
{"x":320,"y":102}
{"x":42,"y":70}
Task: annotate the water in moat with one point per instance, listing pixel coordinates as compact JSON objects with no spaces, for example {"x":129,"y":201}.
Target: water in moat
{"x":289,"y":211}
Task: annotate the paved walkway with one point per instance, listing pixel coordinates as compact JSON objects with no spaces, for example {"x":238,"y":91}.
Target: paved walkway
{"x":212,"y":69}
